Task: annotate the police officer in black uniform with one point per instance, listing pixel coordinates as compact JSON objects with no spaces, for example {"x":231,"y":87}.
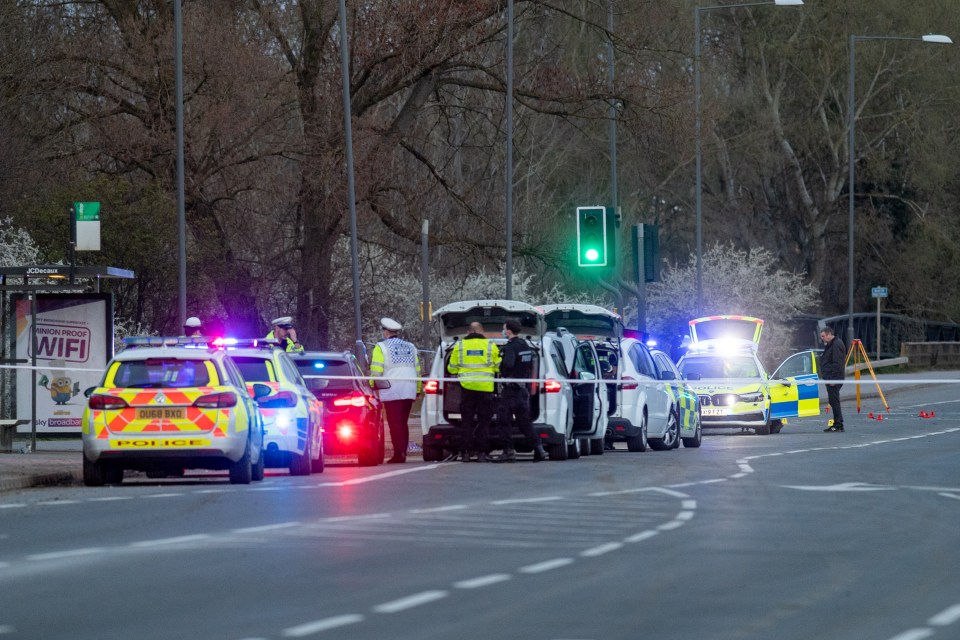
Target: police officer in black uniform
{"x":517,"y":363}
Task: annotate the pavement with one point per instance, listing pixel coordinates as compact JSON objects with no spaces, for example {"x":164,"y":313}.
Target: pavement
{"x":58,"y":460}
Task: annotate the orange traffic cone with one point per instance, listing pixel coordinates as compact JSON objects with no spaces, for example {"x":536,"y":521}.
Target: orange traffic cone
{"x":923,"y":414}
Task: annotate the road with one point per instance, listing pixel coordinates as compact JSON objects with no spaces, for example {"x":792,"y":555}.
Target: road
{"x":792,"y":536}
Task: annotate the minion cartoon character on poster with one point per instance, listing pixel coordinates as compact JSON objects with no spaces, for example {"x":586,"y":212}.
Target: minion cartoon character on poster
{"x":60,"y":386}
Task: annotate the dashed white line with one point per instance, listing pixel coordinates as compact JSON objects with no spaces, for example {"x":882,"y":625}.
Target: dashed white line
{"x":326,"y":624}
{"x":409,"y":602}
{"x":12,"y":506}
{"x":685,"y":515}
{"x":267,"y":527}
{"x":640,"y":537}
{"x":51,"y":503}
{"x":949,"y":495}
{"x":110,"y":498}
{"x":601,"y":549}
{"x":667,"y":526}
{"x":163,"y":495}
{"x":482,"y":581}
{"x":549,"y":565}
{"x":500,"y":503}
{"x":452,"y":507}
{"x":713,"y":481}
{"x":946,"y":617}
{"x":73,"y":553}
{"x":689,"y":504}
{"x":165,"y":541}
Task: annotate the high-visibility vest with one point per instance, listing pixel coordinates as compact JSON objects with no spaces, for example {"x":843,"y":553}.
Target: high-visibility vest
{"x":475,"y":362}
{"x":289,"y":347}
{"x":396,"y":360}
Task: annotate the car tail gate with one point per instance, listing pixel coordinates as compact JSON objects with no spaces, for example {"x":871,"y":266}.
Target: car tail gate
{"x":162,"y":413}
{"x":726,"y":328}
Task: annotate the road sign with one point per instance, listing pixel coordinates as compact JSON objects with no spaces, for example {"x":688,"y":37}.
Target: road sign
{"x":878,"y":292}
{"x":87,"y":226}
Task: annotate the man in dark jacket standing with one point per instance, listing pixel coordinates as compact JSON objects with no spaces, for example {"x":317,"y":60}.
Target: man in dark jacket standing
{"x":516,"y":363}
{"x":833,"y":367}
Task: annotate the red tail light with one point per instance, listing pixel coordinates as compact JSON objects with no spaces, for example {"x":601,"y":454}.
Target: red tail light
{"x":432,"y":387}
{"x":629,"y":383}
{"x":355,"y":399}
{"x":100,"y":402}
{"x":346,"y":430}
{"x":552,"y":386}
{"x":216,"y":400}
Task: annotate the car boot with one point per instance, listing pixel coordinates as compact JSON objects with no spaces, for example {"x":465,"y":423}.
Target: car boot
{"x":539,"y":453}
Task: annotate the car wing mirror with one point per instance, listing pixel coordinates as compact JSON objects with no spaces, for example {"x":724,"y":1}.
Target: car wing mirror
{"x":667,"y":375}
{"x":692,"y":376}
{"x":88,"y":391}
{"x":261,"y":390}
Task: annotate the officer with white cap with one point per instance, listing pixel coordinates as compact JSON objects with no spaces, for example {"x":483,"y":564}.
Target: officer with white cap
{"x":192,"y":327}
{"x":398,"y":361}
{"x":284,"y":332}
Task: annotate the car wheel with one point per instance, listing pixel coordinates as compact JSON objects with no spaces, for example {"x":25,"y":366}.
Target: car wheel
{"x":316,"y":466}
{"x":585,"y":448}
{"x":573,"y":449}
{"x":557,"y":451}
{"x":258,"y":471}
{"x":671,"y":437}
{"x":694,"y":441}
{"x":764,"y":429}
{"x":241,"y":471}
{"x":97,"y":474}
{"x":300,"y":464}
{"x":639,"y":442}
{"x":596,"y":447}
{"x":432,"y":453}
{"x":776,"y":426}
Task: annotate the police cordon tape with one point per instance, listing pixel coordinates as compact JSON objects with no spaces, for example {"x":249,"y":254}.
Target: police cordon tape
{"x":726,"y":382}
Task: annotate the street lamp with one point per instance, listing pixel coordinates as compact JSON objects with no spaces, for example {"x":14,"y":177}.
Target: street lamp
{"x":697,"y":99}
{"x":851,"y":159}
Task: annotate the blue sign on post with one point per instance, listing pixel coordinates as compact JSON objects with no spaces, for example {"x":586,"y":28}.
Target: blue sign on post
{"x":878,"y":292}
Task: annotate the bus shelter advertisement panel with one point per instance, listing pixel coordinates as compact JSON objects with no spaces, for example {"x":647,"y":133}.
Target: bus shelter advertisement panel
{"x":74,"y":339}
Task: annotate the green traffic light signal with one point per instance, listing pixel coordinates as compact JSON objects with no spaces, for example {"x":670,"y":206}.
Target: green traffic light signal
{"x":592,"y":237}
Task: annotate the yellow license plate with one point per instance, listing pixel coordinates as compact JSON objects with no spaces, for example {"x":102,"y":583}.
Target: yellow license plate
{"x":713,"y":411}
{"x":161,"y":413}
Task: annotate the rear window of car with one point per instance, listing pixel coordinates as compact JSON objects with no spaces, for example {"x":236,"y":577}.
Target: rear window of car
{"x":162,"y":373}
{"x":255,"y":369}
{"x":326,"y":367}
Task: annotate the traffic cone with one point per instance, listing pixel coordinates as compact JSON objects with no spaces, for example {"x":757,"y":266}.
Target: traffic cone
{"x":933,"y":414}
{"x":880,"y":417}
{"x":923,"y":414}
{"x":870,"y":415}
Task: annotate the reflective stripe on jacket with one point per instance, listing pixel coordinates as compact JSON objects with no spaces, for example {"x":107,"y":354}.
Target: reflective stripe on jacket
{"x":475,"y":362}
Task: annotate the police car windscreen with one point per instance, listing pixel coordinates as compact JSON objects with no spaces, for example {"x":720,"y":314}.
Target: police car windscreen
{"x":310,"y":369}
{"x":254,"y":369}
{"x":161,"y":373}
{"x":726,"y":367}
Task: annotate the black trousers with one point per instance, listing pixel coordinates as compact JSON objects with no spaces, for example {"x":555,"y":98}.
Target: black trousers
{"x":398,"y":414}
{"x":476,"y":411}
{"x":515,"y":405}
{"x":833,"y":397}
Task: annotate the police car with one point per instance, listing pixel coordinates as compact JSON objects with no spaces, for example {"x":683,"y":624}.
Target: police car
{"x":565,"y":402}
{"x":169,"y":404}
{"x":734,"y":388}
{"x":292,"y":415}
{"x":648,"y":402}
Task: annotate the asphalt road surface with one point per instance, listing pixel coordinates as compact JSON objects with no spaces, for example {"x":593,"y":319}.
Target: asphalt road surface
{"x":793,"y":536}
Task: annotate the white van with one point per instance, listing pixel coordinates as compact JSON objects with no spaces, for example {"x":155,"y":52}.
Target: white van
{"x":565,"y":403}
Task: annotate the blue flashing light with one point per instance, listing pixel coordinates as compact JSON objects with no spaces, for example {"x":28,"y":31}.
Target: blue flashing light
{"x":319,"y":365}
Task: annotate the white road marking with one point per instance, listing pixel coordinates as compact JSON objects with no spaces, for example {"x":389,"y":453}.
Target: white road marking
{"x":600,"y":550}
{"x":410,"y":602}
{"x":50,"y":503}
{"x":452,"y":507}
{"x":163,"y":495}
{"x":640,"y":537}
{"x":267,"y":527}
{"x":685,"y":515}
{"x":369,"y":516}
{"x":164,"y":541}
{"x":12,"y":506}
{"x":844,"y":486}
{"x":73,"y":553}
{"x":946,"y":617}
{"x":326,"y":624}
{"x":667,"y":526}
{"x":739,"y":475}
{"x":549,"y":565}
{"x":950,"y":495}
{"x":526,"y":500}
{"x":689,"y":504}
{"x":6,"y":628}
{"x":379,"y":476}
{"x":482,"y":581}
{"x":713,"y":481}
{"x":110,"y":498}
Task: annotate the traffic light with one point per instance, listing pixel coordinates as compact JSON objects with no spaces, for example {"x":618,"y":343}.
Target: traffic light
{"x":592,"y":245}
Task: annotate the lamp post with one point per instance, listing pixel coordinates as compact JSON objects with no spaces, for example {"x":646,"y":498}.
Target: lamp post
{"x":851,"y":159}
{"x":697,"y":100}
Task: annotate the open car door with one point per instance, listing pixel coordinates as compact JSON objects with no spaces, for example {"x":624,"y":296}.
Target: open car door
{"x":794,"y":391}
